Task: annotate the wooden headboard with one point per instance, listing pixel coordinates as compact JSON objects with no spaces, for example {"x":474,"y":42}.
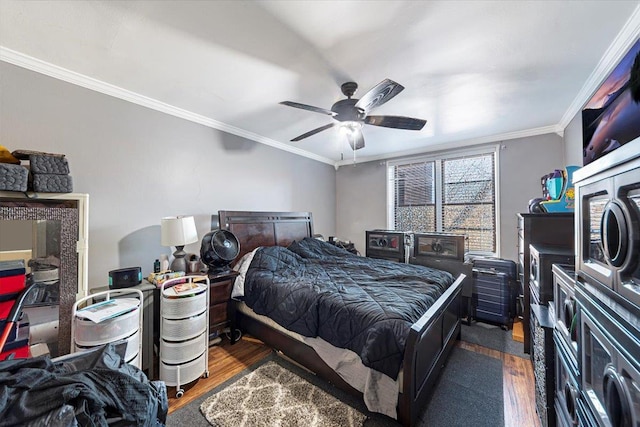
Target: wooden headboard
{"x":254,"y":229}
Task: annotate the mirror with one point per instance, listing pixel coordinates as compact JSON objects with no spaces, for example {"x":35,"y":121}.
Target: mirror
{"x":51,"y":231}
{"x":37,"y":243}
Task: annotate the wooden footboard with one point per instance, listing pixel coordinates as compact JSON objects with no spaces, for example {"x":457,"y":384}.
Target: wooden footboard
{"x":429,"y":343}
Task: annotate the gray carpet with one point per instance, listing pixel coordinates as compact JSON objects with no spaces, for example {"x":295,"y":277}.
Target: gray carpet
{"x":492,"y":336}
{"x":468,"y":393}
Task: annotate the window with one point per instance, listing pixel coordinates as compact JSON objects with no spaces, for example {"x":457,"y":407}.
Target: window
{"x":452,"y":193}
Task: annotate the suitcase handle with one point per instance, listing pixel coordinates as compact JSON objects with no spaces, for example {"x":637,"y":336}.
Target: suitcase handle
{"x":489,"y":271}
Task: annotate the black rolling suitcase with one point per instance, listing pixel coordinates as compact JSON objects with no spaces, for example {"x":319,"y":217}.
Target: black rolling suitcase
{"x":494,"y":290}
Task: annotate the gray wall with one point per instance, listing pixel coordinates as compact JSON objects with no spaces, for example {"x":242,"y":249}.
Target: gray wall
{"x":573,"y":141}
{"x":362,"y":192}
{"x":139,"y":165}
{"x":523,"y":162}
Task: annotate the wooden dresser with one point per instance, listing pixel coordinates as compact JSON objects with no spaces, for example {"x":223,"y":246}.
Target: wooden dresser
{"x":556,"y":229}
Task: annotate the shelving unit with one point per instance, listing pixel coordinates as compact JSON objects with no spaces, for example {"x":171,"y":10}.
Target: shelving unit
{"x":184,"y":330}
{"x":127,"y":325}
{"x":547,"y":229}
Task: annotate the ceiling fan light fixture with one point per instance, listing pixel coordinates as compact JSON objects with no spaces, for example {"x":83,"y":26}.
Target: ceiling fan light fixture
{"x":350,"y":127}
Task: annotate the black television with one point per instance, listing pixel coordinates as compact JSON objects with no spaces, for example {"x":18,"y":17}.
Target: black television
{"x":611,"y":118}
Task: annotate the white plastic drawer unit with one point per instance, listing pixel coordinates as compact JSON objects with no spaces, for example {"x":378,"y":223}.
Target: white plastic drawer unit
{"x":182,"y":351}
{"x":182,"y":306}
{"x":109,"y":316}
{"x":89,"y":333}
{"x":183,"y":374}
{"x":133,"y":346}
{"x":184,"y":329}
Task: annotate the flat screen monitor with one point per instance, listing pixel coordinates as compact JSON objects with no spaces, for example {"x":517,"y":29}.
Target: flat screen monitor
{"x":611,"y":118}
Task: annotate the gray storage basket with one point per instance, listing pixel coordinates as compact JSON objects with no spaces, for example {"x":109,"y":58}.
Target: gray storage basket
{"x":49,"y":183}
{"x":43,"y":163}
{"x":13,"y":177}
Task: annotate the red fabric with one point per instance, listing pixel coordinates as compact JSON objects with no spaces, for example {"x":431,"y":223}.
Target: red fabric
{"x":12,"y":284}
{"x":20,"y":353}
{"x":5,"y":308}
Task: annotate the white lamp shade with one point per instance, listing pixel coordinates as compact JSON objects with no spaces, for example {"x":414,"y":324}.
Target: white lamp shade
{"x":178,"y":230}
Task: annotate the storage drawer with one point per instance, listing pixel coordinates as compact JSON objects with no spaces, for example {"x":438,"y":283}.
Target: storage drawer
{"x":221,"y":292}
{"x":177,"y":330}
{"x":218,"y":313}
{"x":182,"y":351}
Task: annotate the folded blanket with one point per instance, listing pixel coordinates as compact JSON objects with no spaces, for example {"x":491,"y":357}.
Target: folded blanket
{"x":50,"y":183}
{"x":13,"y":177}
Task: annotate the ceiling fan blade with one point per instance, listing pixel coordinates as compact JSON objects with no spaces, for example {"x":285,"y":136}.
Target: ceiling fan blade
{"x":397,"y":122}
{"x":381,"y":93}
{"x":356,"y":140}
{"x":313,"y":132}
{"x":308,"y":108}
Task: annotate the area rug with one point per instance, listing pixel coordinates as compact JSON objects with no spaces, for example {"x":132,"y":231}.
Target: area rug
{"x":274,"y":396}
{"x":468,"y":393}
{"x":494,"y":337}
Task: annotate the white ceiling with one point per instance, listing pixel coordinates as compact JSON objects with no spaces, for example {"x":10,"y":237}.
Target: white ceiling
{"x":475,"y":70}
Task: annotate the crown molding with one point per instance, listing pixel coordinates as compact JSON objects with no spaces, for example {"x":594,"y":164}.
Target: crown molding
{"x":627,"y":36}
{"x":51,"y":70}
{"x":449,"y":145}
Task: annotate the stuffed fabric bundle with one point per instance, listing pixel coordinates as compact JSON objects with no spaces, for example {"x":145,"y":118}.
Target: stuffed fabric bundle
{"x":49,"y":171}
{"x":47,"y":164}
{"x":13,"y":177}
{"x":50,"y":183}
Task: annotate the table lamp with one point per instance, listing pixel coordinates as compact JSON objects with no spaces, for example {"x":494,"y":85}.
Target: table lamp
{"x":178,"y":231}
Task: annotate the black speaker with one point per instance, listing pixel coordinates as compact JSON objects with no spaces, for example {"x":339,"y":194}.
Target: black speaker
{"x":125,"y":277}
{"x":387,"y":244}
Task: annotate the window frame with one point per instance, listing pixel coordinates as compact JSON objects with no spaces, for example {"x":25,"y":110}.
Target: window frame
{"x":446,"y":155}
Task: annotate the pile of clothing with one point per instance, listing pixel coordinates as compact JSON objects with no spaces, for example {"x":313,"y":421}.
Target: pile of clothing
{"x":95,"y":388}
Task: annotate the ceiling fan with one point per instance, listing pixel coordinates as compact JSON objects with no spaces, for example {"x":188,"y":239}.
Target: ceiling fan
{"x":351,"y":114}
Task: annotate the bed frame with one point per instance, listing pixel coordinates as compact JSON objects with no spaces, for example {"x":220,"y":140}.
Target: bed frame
{"x":430,"y":339}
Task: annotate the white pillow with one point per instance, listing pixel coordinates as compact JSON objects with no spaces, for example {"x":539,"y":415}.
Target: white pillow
{"x":242,"y":266}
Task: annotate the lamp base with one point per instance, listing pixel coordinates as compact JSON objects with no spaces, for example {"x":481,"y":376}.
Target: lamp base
{"x":179,"y":262}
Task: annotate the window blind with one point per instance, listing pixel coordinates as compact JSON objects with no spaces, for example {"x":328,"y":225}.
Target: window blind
{"x":454,"y":193}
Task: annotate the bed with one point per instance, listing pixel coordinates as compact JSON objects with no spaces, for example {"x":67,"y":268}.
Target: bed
{"x":427,"y":343}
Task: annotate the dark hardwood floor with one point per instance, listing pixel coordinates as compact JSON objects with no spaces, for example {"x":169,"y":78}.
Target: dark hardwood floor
{"x":226,"y":360}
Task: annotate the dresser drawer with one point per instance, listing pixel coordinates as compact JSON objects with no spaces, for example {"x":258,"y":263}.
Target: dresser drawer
{"x":218,"y":314}
{"x":221,"y":291}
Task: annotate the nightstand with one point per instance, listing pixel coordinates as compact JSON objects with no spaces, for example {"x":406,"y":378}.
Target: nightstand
{"x":221,"y":311}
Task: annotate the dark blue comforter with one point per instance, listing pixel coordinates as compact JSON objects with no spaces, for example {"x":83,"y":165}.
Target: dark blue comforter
{"x":363,"y":304}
